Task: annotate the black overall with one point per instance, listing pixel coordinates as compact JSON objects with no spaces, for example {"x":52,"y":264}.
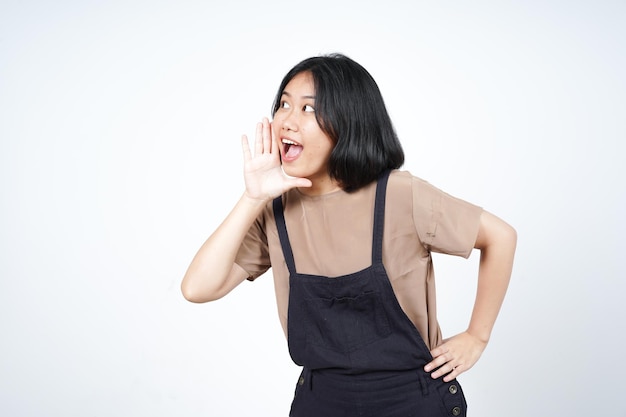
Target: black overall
{"x":362,"y":356}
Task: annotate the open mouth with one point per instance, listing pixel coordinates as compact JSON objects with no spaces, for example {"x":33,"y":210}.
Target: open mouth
{"x":291,"y":149}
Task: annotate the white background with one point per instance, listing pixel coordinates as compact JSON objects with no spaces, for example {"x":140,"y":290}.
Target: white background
{"x":120,"y":124}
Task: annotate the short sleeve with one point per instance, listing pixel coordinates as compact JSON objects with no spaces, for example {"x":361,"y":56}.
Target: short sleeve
{"x":253,"y":255}
{"x":445,"y":224}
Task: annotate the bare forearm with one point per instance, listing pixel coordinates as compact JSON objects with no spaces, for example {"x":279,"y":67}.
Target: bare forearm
{"x":211,"y":271}
{"x":497,"y":241}
{"x":497,"y":245}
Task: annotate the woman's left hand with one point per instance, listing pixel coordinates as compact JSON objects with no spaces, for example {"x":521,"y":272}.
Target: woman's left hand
{"x":455,"y":356}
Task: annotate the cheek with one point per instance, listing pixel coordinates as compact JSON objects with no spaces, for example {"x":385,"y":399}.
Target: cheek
{"x":321,"y":146}
{"x":277,"y":122}
{"x":327,"y":144}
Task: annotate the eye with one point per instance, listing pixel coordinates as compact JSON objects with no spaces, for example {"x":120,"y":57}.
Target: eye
{"x":308,"y":108}
{"x":283,"y":105}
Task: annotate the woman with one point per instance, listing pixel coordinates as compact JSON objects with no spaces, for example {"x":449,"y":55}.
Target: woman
{"x":349,"y":239}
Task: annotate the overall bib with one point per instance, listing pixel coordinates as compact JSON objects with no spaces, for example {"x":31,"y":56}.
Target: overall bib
{"x":361,"y":354}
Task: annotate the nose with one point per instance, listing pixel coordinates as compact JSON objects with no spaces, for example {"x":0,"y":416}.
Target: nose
{"x":290,"y":122}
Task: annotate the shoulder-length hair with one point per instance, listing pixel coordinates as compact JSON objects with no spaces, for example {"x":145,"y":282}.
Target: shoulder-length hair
{"x":349,"y":108}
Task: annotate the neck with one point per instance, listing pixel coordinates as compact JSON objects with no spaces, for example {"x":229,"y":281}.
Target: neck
{"x":320,"y":187}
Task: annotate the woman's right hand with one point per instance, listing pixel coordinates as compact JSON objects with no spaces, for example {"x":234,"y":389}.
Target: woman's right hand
{"x":263,"y":175}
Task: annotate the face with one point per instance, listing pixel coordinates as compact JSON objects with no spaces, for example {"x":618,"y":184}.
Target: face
{"x":304,"y":147}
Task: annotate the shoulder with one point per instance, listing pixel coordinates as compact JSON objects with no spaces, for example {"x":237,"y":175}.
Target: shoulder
{"x":400,"y":193}
{"x":399,"y":181}
{"x":406,"y":185}
{"x":403,"y":184}
{"x":405,"y":179}
{"x":407,"y":193}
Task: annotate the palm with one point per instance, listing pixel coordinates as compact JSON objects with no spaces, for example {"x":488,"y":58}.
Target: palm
{"x":262,"y":171}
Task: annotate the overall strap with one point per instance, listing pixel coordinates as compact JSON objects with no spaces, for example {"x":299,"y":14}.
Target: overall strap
{"x":279,"y":216}
{"x":379,"y":218}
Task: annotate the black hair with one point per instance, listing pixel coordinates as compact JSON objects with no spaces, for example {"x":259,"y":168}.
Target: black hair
{"x":349,"y":108}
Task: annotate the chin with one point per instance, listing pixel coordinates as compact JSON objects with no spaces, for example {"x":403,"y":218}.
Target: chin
{"x":290,"y":172}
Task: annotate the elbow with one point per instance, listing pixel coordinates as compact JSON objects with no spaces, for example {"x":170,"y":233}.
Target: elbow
{"x":189,"y":292}
{"x":504,"y":241}
{"x":496,"y":233}
{"x":194,"y":294}
{"x":511,"y":236}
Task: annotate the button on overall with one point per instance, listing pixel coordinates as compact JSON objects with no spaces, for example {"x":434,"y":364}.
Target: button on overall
{"x":361,"y":354}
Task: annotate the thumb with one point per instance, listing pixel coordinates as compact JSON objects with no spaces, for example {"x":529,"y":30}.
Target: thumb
{"x":296,"y":181}
{"x":300,"y":182}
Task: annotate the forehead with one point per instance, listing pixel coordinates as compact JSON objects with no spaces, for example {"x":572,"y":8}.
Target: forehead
{"x":301,"y":85}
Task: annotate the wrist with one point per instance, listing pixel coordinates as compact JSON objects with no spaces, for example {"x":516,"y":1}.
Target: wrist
{"x":481,"y":336}
{"x":254,"y":201}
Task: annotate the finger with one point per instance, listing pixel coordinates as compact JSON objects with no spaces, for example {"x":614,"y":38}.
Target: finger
{"x":438,"y":367}
{"x":275,"y":140}
{"x":447,"y":370}
{"x":439,"y":350}
{"x":440,"y":356}
{"x":300,"y":182}
{"x":245,"y":146}
{"x":258,"y":139}
{"x":456,"y":371}
{"x":267,"y":136}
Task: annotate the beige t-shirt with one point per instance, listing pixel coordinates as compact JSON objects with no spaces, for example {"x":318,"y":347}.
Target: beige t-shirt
{"x":331,"y":235}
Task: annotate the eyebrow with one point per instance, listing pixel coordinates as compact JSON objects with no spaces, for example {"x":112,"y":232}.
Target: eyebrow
{"x":289,"y":95}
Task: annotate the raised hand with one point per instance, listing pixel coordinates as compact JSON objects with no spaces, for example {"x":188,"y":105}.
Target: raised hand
{"x":263,"y":175}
